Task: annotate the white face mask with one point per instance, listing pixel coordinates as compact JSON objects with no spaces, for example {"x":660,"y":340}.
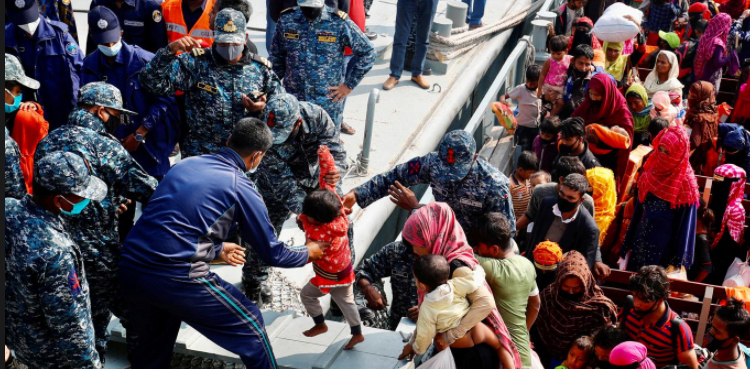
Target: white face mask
{"x":31,"y":27}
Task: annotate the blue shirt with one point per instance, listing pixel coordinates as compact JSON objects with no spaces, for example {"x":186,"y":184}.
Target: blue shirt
{"x":194,"y":209}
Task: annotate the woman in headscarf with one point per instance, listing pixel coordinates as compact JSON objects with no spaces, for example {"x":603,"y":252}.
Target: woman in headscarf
{"x":734,"y":142}
{"x":640,"y":108}
{"x":712,"y":55}
{"x":662,"y":231}
{"x":727,"y":191}
{"x":631,"y":355}
{"x":741,"y":112}
{"x":663,"y":108}
{"x":602,"y":181}
{"x":609,"y":124}
{"x":433,"y":229}
{"x":581,"y":35}
{"x":702,"y":119}
{"x":573,"y":306}
{"x":617,"y":61}
{"x":664,"y":76}
{"x":733,"y":7}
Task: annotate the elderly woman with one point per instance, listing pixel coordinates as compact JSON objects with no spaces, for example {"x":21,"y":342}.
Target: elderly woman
{"x":609,"y":123}
{"x":713,"y":55}
{"x":702,"y":118}
{"x":631,"y":355}
{"x":433,"y":229}
{"x":573,"y":306}
{"x":726,"y":202}
{"x":664,"y":77}
{"x":662,"y":230}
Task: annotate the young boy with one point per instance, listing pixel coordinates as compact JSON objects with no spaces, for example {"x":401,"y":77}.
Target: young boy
{"x":578,"y":80}
{"x":529,"y":105}
{"x":581,"y":354}
{"x":545,"y":145}
{"x":323,"y":219}
{"x":512,"y":278}
{"x":444,"y":305}
{"x":538,"y":178}
{"x":520,"y":184}
{"x":729,"y":325}
{"x":605,"y":340}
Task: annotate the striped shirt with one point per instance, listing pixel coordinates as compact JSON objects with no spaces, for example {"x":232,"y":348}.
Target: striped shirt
{"x":658,"y":337}
{"x":521,"y":195}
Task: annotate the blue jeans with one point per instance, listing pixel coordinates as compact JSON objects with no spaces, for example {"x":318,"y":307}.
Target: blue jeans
{"x":270,"y":29}
{"x":405,"y":11}
{"x":476,"y":11}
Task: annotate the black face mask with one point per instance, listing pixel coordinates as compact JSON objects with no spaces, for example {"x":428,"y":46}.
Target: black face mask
{"x":112,"y":124}
{"x":715,"y":344}
{"x":566,"y":150}
{"x":545,"y":142}
{"x":311,"y":13}
{"x":565,"y":206}
{"x":571,"y":296}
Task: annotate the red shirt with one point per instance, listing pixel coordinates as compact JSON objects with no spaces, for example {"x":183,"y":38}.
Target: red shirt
{"x":658,"y":337}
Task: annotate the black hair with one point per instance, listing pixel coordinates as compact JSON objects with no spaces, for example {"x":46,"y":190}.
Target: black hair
{"x":11,"y":84}
{"x":701,"y":26}
{"x":494,"y":229}
{"x":432,"y":270}
{"x":633,"y":94}
{"x":250,"y":135}
{"x":576,"y":182}
{"x":558,"y":43}
{"x":736,"y":317}
{"x":527,"y":160}
{"x":705,"y":214}
{"x":656,"y":126}
{"x":609,"y":336}
{"x":650,"y":283}
{"x":551,"y":125}
{"x":567,"y":165}
{"x":41,"y":192}
{"x":583,"y":50}
{"x":322,"y":205}
{"x":541,"y":173}
{"x":573,"y":127}
{"x":533,"y":72}
{"x":585,"y":343}
{"x":242,"y":6}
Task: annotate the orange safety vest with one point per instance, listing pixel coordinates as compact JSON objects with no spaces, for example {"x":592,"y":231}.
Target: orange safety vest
{"x":176,"y":27}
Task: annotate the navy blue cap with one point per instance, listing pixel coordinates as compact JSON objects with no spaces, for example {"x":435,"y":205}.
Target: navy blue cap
{"x":103,"y":25}
{"x":22,"y":11}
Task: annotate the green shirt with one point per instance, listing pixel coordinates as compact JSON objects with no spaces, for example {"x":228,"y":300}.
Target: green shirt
{"x":512,"y":281}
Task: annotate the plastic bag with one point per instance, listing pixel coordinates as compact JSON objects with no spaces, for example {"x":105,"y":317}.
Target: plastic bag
{"x":505,"y":116}
{"x":443,"y":360}
{"x":738,"y":274}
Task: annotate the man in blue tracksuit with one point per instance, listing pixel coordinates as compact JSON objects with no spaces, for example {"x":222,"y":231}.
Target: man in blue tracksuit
{"x":164,"y":270}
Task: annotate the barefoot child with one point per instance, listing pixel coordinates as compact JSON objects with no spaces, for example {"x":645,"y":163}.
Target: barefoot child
{"x":444,"y":306}
{"x":323,"y":219}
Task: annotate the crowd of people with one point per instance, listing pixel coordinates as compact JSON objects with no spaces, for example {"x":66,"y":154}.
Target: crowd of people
{"x":504,"y":270}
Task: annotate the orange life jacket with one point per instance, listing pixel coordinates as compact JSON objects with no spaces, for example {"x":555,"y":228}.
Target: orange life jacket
{"x":176,"y":27}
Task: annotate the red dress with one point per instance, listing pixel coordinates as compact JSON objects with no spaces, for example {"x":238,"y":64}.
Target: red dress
{"x":335,"y":268}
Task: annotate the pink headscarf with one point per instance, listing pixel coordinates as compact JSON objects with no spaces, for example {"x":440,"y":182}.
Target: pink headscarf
{"x":435,"y":228}
{"x":734,"y":215}
{"x":716,"y":34}
{"x":662,"y":102}
{"x":630,"y":353}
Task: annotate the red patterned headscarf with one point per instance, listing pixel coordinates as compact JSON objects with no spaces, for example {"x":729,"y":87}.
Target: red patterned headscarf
{"x":716,"y":34}
{"x":668,"y":175}
{"x":734,"y":215}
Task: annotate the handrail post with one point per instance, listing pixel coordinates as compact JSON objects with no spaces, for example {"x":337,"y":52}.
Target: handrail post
{"x":363,"y":161}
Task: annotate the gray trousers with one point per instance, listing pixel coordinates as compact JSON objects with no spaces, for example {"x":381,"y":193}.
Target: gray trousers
{"x":343,"y":296}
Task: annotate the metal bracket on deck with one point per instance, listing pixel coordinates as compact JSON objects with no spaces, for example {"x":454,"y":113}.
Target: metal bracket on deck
{"x":362,"y":166}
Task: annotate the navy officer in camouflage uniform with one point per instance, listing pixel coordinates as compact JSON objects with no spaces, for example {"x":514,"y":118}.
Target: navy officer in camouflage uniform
{"x":308,"y":53}
{"x":290,"y":170}
{"x":458,"y":176}
{"x":222,"y":84}
{"x":89,"y":134}
{"x":15,"y":186}
{"x":394,"y":260}
{"x":47,"y":295}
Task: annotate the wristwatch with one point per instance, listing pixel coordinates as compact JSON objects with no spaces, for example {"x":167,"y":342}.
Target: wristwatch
{"x":139,"y":137}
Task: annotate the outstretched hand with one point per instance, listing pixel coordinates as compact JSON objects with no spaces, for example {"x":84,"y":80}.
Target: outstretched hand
{"x":232,"y":254}
{"x":403,"y":197}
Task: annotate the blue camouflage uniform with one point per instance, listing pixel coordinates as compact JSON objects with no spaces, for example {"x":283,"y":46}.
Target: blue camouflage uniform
{"x":394,"y":260}
{"x":159,"y":114}
{"x":165,"y":272}
{"x":468,"y":184}
{"x":289,"y":171}
{"x":48,"y":314}
{"x":309,"y":56}
{"x":213,"y":88}
{"x":15,"y":186}
{"x":95,"y":230}
{"x":142,"y":22}
{"x":53,"y":58}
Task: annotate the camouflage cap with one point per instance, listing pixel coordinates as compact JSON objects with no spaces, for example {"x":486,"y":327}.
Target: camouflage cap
{"x":67,"y":173}
{"x":311,"y":3}
{"x":456,"y":154}
{"x":14,"y":73}
{"x":230,"y":27}
{"x":282,"y":112}
{"x":102,"y":94}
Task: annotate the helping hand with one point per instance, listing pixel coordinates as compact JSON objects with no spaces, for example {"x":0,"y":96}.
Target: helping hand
{"x":315,"y":250}
{"x":186,"y":44}
{"x":403,"y":197}
{"x":232,"y":254}
{"x":408,"y":353}
{"x":333,"y":176}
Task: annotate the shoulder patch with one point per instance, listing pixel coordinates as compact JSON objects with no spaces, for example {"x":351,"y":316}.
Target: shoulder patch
{"x":341,"y":14}
{"x":415,"y":165}
{"x":259,"y":59}
{"x":74,"y":283}
{"x":71,"y":48}
{"x":156,"y":16}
